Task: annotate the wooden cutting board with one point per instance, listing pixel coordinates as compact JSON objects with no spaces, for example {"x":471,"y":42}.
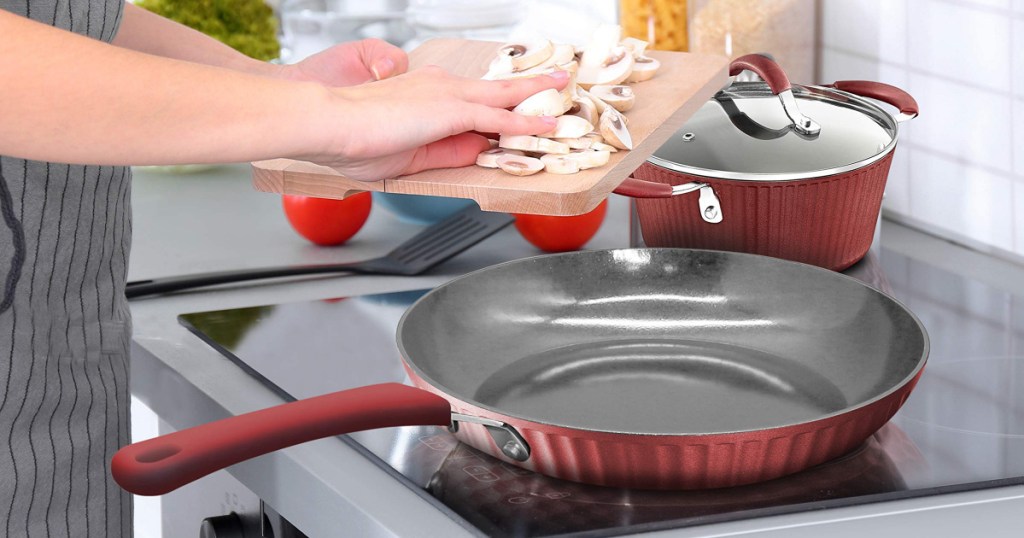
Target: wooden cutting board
{"x":663,"y":104}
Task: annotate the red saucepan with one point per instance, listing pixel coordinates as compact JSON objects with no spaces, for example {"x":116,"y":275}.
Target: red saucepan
{"x":640,"y":368}
{"x":795,"y":172}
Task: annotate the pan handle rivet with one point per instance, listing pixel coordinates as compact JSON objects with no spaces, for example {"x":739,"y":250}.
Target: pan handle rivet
{"x":688,"y":137}
{"x":710,"y":212}
{"x":513,"y":450}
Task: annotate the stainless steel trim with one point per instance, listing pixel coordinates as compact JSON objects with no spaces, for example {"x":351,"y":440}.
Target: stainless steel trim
{"x":511,"y":443}
{"x":686,"y":188}
{"x":801,"y":123}
{"x":817,"y":91}
{"x":710,"y":206}
{"x":903,"y":116}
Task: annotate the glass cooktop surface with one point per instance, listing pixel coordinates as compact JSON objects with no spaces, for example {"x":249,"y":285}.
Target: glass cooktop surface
{"x":962,"y":427}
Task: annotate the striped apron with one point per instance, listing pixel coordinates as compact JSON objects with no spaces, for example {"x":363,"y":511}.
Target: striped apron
{"x":64,"y":327}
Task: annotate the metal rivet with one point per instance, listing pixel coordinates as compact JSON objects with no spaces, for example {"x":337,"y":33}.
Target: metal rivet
{"x":688,"y":137}
{"x":710,"y":212}
{"x":513,"y":450}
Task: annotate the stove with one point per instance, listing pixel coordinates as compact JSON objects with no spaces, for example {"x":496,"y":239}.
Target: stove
{"x":961,"y":429}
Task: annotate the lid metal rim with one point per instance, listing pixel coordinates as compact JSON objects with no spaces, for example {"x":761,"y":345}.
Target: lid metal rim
{"x":774,"y":176}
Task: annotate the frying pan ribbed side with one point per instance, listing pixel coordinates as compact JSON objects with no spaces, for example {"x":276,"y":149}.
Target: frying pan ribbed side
{"x":828,"y":221}
{"x":683,"y":462}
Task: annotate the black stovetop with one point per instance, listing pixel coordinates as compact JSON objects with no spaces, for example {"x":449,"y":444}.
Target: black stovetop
{"x":962,"y":428}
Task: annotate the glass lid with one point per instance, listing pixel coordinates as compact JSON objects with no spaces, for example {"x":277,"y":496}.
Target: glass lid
{"x":743,"y":132}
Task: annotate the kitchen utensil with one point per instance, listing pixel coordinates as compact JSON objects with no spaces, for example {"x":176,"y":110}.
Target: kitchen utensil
{"x":420,"y":209}
{"x":683,"y":83}
{"x":795,"y":172}
{"x":438,"y":243}
{"x":645,"y":368}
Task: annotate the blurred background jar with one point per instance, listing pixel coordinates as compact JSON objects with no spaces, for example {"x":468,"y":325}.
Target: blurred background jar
{"x":785,"y":29}
{"x":662,"y":23}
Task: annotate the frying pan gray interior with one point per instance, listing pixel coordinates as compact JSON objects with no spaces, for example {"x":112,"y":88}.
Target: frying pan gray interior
{"x":662,"y":341}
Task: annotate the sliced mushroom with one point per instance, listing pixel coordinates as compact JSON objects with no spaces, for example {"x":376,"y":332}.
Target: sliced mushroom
{"x":644,"y":68}
{"x":519,"y":165}
{"x":560,"y":164}
{"x":590,"y":158}
{"x":613,"y":129}
{"x":582,"y":142}
{"x":616,"y":68}
{"x":598,"y":49}
{"x":526,"y":55}
{"x":620,"y":97}
{"x":532,"y":143}
{"x":603,"y":146}
{"x":584,"y":108}
{"x":489,"y":158}
{"x":569,"y":127}
{"x":544,"y":103}
{"x":635,"y":46}
{"x":599,"y":105}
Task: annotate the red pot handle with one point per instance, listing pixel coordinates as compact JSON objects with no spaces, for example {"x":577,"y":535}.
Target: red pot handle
{"x":638,"y":188}
{"x":765,"y":68}
{"x":162,"y":464}
{"x":883,"y":92}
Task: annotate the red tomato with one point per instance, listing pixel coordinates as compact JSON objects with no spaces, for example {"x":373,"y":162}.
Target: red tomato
{"x":327,"y":222}
{"x":561,"y":234}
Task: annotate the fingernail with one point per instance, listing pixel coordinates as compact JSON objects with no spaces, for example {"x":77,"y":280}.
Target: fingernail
{"x":550,"y":121}
{"x":560,"y":75}
{"x":382,"y":69}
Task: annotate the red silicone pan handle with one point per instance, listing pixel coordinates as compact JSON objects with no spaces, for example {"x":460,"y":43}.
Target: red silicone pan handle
{"x":765,"y":68}
{"x":637,"y":188}
{"x":165,"y":463}
{"x":883,"y":92}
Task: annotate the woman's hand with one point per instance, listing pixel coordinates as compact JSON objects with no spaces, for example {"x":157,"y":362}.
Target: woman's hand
{"x":349,"y":64}
{"x":424,"y":119}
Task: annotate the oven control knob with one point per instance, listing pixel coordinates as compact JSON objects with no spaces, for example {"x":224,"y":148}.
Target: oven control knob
{"x":229,"y":526}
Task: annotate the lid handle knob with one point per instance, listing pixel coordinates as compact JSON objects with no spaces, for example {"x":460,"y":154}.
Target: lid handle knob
{"x":772,"y":73}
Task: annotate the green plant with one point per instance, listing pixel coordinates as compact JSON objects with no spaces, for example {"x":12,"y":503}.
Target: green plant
{"x":247,"y":26}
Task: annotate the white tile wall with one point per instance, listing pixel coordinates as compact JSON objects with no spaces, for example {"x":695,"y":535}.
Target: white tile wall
{"x":947,"y":39}
{"x":1018,"y":54}
{"x":1018,"y":214}
{"x":874,"y":28}
{"x":962,"y":121}
{"x":959,"y":169}
{"x":1018,"y":137}
{"x":966,"y":200}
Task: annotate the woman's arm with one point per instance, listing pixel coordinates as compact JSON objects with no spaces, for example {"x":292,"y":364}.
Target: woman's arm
{"x":68,"y":98}
{"x":343,"y":65}
{"x":148,"y":32}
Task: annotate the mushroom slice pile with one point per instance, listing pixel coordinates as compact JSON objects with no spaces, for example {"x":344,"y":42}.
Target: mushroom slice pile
{"x":591,"y":124}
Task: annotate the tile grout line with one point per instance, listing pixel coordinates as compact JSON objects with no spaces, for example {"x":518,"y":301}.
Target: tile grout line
{"x":1017,"y":220}
{"x":916,"y":71}
{"x":965,"y":162}
{"x":1008,"y":12}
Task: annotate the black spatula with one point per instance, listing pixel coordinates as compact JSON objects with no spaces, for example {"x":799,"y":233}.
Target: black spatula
{"x":438,"y":243}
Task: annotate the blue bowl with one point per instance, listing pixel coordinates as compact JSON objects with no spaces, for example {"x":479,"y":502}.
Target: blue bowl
{"x":418,"y":209}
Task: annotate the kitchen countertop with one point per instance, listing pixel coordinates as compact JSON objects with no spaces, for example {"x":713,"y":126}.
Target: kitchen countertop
{"x":182,"y":224}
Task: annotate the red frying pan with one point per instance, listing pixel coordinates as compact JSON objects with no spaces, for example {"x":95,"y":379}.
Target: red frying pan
{"x":639,"y":368}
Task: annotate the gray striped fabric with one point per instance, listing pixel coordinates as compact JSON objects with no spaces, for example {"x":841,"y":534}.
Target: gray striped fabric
{"x":64,"y":327}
